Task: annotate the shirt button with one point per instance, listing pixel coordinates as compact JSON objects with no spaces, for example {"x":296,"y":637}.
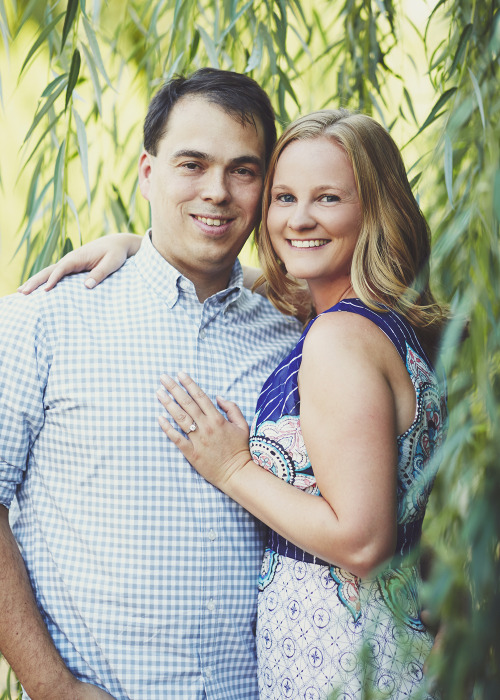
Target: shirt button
{"x":211,"y":605}
{"x":208,"y":673}
{"x":211,"y":535}
{"x":203,"y":334}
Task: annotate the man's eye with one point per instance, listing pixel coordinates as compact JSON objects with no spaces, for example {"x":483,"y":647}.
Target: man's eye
{"x":244,"y":171}
{"x":191,"y":166}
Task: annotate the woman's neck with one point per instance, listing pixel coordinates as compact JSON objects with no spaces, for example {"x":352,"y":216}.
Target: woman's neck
{"x":325,"y":296}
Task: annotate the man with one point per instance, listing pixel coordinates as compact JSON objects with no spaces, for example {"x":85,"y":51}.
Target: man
{"x":138,"y":579}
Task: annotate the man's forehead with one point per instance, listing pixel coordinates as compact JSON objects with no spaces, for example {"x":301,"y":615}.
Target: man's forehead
{"x":199,"y":122}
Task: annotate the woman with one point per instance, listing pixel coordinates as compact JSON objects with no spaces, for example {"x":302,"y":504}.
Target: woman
{"x":350,"y":422}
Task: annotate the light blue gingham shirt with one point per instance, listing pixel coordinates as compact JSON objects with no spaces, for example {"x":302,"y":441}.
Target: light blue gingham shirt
{"x":145,"y":574}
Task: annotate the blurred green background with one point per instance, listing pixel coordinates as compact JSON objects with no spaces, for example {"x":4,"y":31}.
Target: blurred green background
{"x":75,"y":80}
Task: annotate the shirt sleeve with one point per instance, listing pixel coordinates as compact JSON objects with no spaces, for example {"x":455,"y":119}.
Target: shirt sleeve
{"x":24,"y":368}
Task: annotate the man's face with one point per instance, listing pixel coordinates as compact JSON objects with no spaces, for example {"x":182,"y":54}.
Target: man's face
{"x":204,"y":187}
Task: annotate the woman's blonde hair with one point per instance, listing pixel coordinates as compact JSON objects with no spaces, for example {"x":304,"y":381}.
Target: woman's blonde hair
{"x":390,"y":263}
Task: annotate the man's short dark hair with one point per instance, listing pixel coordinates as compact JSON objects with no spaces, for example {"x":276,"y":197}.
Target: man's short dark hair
{"x":237,"y":94}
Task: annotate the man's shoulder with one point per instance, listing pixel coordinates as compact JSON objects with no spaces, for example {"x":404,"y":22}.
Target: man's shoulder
{"x":69,"y":294}
{"x":262,"y":311}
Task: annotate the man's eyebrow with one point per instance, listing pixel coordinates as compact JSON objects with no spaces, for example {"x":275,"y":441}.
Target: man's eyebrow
{"x":198,"y":155}
{"x":246,"y":159}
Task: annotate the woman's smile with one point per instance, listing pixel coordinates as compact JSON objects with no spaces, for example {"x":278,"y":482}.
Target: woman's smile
{"x":300,"y":243}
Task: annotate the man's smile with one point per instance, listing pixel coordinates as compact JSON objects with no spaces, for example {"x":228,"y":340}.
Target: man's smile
{"x":209,"y":221}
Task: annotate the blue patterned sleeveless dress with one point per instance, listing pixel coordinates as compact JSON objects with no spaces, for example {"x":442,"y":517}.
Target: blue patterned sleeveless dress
{"x":323,"y":632}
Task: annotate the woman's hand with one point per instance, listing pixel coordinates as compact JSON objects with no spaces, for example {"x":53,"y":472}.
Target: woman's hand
{"x":217,"y":448}
{"x":102,"y":257}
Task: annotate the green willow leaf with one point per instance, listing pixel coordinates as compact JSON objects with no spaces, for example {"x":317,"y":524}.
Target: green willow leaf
{"x":43,"y":35}
{"x":414,"y":181}
{"x":410,"y":104}
{"x":5,"y":23}
{"x":48,"y":104}
{"x":47,"y":253}
{"x":462,"y":45}
{"x":288,"y":86}
{"x":496,"y":195}
{"x":181,"y":6}
{"x":194,"y":45}
{"x":58,"y":179}
{"x":174,"y":67}
{"x":4,"y":28}
{"x":34,"y":215}
{"x":255,"y":57}
{"x":96,"y":53}
{"x":94,"y":77}
{"x":448,"y":168}
{"x":68,"y":20}
{"x":83,"y":151}
{"x":435,"y":110}
{"x":33,"y":187}
{"x":121,"y":213}
{"x":74,"y":72}
{"x":49,"y":127}
{"x":209,"y":46}
{"x":479,"y":99}
{"x":243,"y":10}
{"x":51,"y":86}
{"x":67,"y":243}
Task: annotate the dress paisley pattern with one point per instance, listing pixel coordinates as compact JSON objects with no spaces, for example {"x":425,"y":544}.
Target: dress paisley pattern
{"x":323,"y":632}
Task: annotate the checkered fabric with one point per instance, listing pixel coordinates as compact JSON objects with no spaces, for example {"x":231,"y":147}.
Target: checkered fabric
{"x":145,"y":574}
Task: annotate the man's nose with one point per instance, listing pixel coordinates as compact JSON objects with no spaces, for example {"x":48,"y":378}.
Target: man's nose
{"x":215,"y":187}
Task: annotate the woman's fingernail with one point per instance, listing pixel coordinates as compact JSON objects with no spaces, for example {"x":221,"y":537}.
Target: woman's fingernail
{"x":182,"y":375}
{"x":90,"y":283}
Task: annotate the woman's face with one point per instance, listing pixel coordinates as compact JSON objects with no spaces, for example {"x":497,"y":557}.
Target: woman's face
{"x":314,"y":217}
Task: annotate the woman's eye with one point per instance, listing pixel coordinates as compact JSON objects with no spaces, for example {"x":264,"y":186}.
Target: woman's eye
{"x":330,"y":198}
{"x":285,"y":198}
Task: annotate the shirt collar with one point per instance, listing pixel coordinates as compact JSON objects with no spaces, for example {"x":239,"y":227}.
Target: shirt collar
{"x":167,"y":282}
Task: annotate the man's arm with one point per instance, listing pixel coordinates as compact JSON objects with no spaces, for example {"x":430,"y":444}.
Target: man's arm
{"x":24,"y":639}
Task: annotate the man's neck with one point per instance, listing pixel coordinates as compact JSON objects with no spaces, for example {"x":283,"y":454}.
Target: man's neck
{"x":205,"y":283}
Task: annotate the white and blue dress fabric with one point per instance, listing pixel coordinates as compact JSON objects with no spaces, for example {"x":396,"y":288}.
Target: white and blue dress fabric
{"x":323,"y":632}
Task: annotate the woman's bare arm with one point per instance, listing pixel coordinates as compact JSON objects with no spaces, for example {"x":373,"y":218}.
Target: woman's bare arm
{"x":348,"y":420}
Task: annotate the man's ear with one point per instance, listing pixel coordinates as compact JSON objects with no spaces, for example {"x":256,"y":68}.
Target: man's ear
{"x":145,"y":168}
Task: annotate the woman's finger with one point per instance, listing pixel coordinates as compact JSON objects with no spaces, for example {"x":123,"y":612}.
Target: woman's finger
{"x":111,"y":262}
{"x":233,"y":412}
{"x":36,"y":280}
{"x":198,"y":395}
{"x":184,"y":420}
{"x":175,"y":436}
{"x":190,"y":404}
